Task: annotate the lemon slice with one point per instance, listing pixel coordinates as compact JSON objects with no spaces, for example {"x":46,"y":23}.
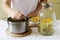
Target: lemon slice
{"x":47,"y":20}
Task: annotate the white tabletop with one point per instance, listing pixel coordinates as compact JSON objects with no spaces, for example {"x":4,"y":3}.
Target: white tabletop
{"x":33,"y":36}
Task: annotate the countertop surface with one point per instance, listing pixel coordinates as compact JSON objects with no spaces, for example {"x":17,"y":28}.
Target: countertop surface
{"x":33,"y":36}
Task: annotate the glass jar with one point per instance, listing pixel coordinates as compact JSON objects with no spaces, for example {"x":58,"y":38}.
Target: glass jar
{"x":46,"y":20}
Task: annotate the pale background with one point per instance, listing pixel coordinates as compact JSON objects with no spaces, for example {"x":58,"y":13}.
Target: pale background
{"x":56,"y":8}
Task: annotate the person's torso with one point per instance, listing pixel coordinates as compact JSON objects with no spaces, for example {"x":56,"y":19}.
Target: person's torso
{"x":25,"y":6}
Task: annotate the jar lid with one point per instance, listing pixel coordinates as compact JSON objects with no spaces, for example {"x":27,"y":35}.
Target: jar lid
{"x":46,"y":5}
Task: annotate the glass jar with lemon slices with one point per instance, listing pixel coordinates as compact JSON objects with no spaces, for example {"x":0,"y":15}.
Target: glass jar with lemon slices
{"x":46,"y":21}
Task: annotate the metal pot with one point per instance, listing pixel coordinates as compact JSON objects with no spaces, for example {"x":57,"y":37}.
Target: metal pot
{"x":17,"y":26}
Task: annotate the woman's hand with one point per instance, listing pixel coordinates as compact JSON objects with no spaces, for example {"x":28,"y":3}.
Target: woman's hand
{"x":16,"y":15}
{"x":32,"y":14}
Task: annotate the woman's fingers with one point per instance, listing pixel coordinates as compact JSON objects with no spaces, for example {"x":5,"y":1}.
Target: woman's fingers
{"x":18,"y":16}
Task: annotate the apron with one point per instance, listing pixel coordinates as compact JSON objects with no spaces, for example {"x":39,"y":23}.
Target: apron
{"x":24,"y":6}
